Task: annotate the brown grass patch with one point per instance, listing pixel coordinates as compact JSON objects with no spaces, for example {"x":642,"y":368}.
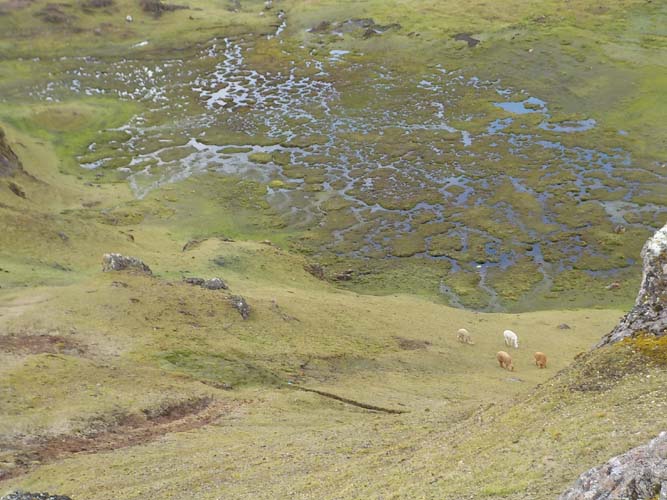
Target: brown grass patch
{"x":39,"y":344}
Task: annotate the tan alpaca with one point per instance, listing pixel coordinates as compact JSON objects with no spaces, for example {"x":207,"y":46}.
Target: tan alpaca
{"x":505,"y":360}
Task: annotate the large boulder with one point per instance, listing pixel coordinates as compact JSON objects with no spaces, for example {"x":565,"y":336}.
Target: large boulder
{"x":23,"y":495}
{"x":9,"y":162}
{"x":118,"y":262}
{"x":649,"y":314}
{"x":641,"y":473}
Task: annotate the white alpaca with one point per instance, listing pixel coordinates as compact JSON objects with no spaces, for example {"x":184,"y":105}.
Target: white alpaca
{"x":464,"y":337}
{"x":511,"y":339}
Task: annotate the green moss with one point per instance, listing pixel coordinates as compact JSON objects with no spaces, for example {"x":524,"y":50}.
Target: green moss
{"x":407,"y":245}
{"x":649,"y":346}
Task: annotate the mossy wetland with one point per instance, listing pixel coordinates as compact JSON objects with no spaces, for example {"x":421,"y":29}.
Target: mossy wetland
{"x":371,"y":176}
{"x":374,"y":148}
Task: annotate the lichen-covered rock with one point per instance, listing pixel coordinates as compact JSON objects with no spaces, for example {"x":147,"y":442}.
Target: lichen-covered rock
{"x":118,"y":262}
{"x":649,"y":314}
{"x":240,"y":304}
{"x":215,"y":284}
{"x":640,"y":473}
{"x":9,"y":162}
{"x":22,"y":495}
{"x":210,"y":284}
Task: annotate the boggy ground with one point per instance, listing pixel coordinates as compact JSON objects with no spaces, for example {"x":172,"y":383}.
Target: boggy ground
{"x":120,"y":385}
{"x":521,"y":172}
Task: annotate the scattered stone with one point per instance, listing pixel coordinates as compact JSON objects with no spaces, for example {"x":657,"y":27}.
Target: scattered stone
{"x":619,"y":229}
{"x":638,"y":473}
{"x":9,"y":162}
{"x":563,"y":326}
{"x":17,"y":190}
{"x":364,"y":28}
{"x":193,"y":243}
{"x":240,"y":304}
{"x":649,"y":314}
{"x":24,"y":495}
{"x":194,"y":281}
{"x":266,"y":242}
{"x":466,"y":37}
{"x":63,"y":236}
{"x":118,"y":262}
{"x":316,"y":270}
{"x":219,"y":261}
{"x":613,"y":286}
{"x":210,"y":284}
{"x":119,"y":284}
{"x":344,"y":276}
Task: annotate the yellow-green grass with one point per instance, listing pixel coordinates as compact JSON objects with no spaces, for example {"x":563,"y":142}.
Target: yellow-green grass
{"x":128,"y":346}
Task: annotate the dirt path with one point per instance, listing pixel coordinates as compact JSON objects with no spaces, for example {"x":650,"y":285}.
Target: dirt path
{"x":130,"y":432}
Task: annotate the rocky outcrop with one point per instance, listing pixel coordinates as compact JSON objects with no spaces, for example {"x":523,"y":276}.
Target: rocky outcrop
{"x":649,"y":314}
{"x":9,"y":162}
{"x":22,"y":495}
{"x":641,"y":473}
{"x":118,"y":262}
{"x":210,"y":284}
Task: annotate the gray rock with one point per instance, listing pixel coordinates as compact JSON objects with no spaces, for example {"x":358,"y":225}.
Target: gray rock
{"x":194,"y":281}
{"x":215,"y":284}
{"x":640,"y":473}
{"x":9,"y":162}
{"x":649,"y":314}
{"x":210,"y":284}
{"x":240,"y":304}
{"x":118,"y":262}
{"x":22,"y":495}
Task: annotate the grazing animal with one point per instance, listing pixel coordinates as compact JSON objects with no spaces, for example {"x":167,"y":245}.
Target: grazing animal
{"x":505,"y":360}
{"x":464,"y":337}
{"x":540,"y":359}
{"x":511,"y":339}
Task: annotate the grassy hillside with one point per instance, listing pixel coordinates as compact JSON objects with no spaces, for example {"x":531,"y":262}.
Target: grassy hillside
{"x":100,"y":370}
{"x":123,"y":385}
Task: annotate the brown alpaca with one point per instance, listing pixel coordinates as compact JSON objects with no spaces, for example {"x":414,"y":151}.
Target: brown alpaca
{"x":505,"y":360}
{"x":540,"y":359}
